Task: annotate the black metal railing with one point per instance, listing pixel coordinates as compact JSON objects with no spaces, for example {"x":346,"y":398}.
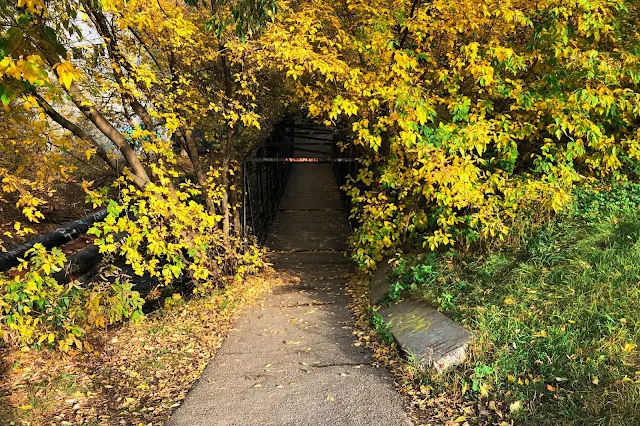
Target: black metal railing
{"x":264,"y":182}
{"x":267,"y":169}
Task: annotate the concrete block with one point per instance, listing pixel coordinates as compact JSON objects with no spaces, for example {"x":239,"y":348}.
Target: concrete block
{"x":429,"y":336}
{"x":380,"y":282}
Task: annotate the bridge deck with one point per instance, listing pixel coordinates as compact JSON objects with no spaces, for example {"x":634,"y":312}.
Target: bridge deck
{"x":293,"y":360}
{"x":310,"y":215}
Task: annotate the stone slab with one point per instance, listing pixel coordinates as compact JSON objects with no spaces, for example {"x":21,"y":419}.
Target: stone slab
{"x":380,"y":282}
{"x":427,"y":335}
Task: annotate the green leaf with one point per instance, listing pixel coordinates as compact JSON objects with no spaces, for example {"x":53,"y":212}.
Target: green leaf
{"x":4,"y":45}
{"x":24,"y":18}
{"x":5,"y":98}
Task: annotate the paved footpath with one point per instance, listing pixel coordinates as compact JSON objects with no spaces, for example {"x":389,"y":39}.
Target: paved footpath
{"x":293,"y":361}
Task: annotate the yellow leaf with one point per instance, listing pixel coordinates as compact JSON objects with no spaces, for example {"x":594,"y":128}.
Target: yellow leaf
{"x":128,"y":402}
{"x":31,"y":287}
{"x":88,"y":153}
{"x":515,"y":407}
{"x":67,"y":73}
{"x":484,"y":389}
{"x":595,"y":380}
{"x":460,"y":419}
{"x":629,"y":347}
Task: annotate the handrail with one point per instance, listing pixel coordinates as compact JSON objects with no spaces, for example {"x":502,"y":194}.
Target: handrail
{"x":266,"y":172}
{"x":302,"y":160}
{"x":264,"y":182}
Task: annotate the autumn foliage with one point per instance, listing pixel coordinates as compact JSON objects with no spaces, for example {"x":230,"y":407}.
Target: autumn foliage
{"x":471,"y":120}
{"x":158,"y":92}
{"x":467,"y":116}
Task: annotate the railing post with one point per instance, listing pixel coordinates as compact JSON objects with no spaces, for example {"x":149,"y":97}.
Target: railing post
{"x":245,"y":184}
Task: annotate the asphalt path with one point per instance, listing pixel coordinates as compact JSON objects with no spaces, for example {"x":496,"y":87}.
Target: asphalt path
{"x":294,"y":360}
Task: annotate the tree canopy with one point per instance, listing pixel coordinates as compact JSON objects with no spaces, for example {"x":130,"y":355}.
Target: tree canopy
{"x":467,"y":117}
{"x":469,"y":114}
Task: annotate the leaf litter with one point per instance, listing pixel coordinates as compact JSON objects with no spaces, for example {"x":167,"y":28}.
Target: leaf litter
{"x":137,"y":373}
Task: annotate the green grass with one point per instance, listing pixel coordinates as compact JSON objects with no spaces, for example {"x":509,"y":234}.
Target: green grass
{"x":556,"y":319}
{"x":381,"y":327}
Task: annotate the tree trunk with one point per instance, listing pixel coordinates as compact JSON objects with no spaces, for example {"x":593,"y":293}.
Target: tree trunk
{"x":192,"y":151}
{"x":117,"y":60}
{"x":236,"y":196}
{"x":140,"y":178}
{"x":226,"y":163}
{"x":138,"y":172}
{"x":190,"y":146}
{"x":227,"y":151}
{"x":79,"y":132}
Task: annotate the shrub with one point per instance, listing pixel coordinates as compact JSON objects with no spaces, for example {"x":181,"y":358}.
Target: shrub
{"x":36,"y":310}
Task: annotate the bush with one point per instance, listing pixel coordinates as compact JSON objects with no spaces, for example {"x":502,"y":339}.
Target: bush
{"x":619,"y":197}
{"x":170,"y":235}
{"x":162,"y":234}
{"x":36,"y":310}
